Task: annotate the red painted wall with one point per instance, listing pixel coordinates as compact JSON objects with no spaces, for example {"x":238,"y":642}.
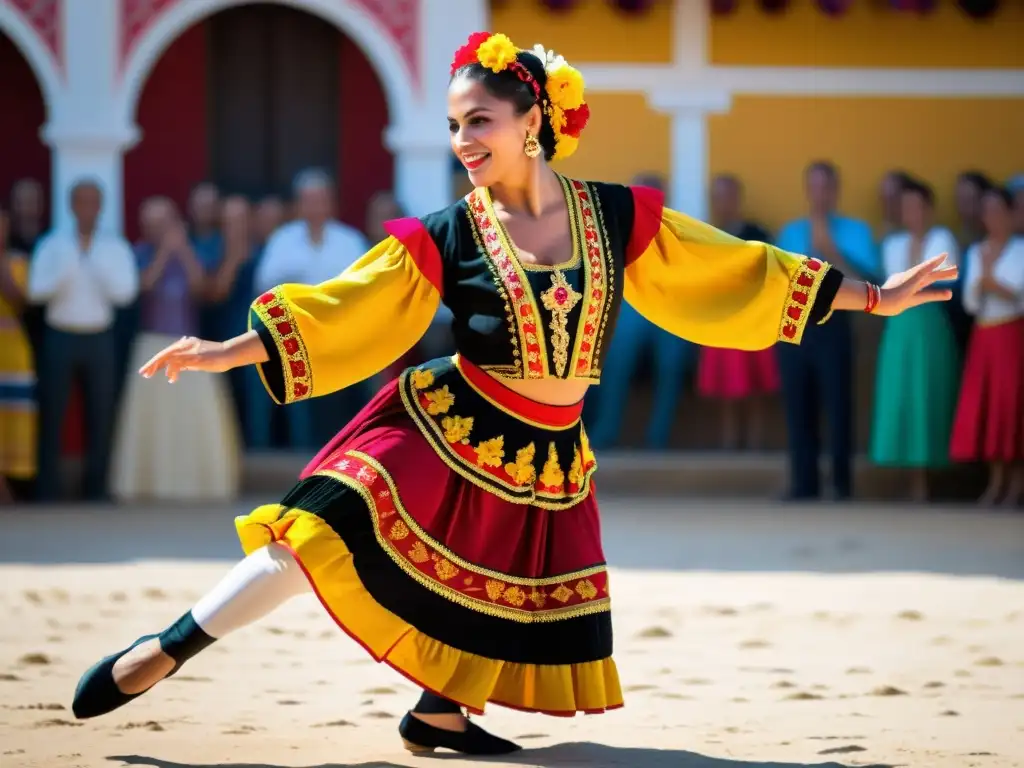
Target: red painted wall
{"x":365,"y":166}
{"x":172,"y":154}
{"x":24,"y":114}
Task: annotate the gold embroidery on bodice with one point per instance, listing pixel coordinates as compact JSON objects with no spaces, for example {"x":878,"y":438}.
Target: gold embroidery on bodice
{"x":559,"y":300}
{"x":574,"y":354}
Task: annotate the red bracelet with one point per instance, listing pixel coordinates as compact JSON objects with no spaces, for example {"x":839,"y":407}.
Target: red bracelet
{"x":874,"y":296}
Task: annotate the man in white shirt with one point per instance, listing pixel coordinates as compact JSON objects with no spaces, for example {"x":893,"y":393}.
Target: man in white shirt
{"x":80,"y":277}
{"x":313,"y":248}
{"x":316,"y":246}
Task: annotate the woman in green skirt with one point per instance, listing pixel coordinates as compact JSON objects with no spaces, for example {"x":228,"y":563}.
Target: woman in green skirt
{"x":918,"y":367}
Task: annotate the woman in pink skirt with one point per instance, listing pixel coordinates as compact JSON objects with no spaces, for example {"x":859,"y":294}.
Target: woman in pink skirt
{"x":989,"y":423}
{"x":739,"y":380}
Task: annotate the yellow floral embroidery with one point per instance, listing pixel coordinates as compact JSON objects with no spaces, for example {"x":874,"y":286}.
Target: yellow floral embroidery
{"x":576,"y":470}
{"x":456,"y":428}
{"x":586,"y":589}
{"x":585,"y":445}
{"x":422,"y":379}
{"x":538,"y":598}
{"x":494,"y":588}
{"x":522,"y":471}
{"x":418,"y":552}
{"x":562,"y":593}
{"x":552,"y":475}
{"x":445,"y":570}
{"x":439,"y":401}
{"x":490,"y":452}
{"x":515,"y":596}
{"x":398,"y":531}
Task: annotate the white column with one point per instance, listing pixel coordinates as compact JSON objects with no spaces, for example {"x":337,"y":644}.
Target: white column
{"x":86,"y":133}
{"x":444,"y":27}
{"x":419,"y":142}
{"x":689,"y":109}
{"x":423,"y":175}
{"x":691,"y":25}
{"x":96,"y":157}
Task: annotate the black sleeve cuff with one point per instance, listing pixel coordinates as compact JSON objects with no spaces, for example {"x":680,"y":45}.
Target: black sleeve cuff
{"x":826,"y":295}
{"x":272,"y":370}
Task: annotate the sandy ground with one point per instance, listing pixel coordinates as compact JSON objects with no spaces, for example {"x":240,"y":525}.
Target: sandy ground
{"x":747,"y":636}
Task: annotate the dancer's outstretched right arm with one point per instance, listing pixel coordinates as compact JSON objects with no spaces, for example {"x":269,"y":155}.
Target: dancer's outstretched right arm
{"x":311,"y":340}
{"x":192,"y":354}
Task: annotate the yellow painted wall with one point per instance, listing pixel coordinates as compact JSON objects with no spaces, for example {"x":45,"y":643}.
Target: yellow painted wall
{"x":593,"y":31}
{"x":767,"y":141}
{"x":868,"y":35}
{"x":624,"y":137}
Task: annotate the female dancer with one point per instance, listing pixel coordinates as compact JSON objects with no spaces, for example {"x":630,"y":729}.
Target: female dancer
{"x":989,"y":423}
{"x":451,"y":528}
{"x":918,"y":370}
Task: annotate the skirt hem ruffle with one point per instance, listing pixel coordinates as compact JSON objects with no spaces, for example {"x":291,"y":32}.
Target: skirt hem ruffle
{"x":467,"y":679}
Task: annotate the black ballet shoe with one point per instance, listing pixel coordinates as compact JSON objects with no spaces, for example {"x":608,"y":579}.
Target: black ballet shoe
{"x":97,"y":693}
{"x":420,"y":737}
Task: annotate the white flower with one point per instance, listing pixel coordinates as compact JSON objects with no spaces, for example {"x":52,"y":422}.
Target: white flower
{"x":550,"y":59}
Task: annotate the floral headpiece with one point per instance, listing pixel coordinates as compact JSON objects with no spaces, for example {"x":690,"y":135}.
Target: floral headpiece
{"x":562,"y":100}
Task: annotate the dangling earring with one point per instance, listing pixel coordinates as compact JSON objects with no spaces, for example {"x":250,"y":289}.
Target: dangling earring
{"x":532,"y":146}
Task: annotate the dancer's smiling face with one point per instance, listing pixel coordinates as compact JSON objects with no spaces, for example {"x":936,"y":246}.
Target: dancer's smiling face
{"x":489,"y":125}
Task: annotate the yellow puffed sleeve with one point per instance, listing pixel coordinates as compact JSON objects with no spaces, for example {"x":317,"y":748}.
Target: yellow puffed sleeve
{"x":323,"y":338}
{"x":707,"y":286}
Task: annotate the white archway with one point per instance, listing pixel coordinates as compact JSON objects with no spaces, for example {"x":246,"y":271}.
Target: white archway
{"x":39,"y":58}
{"x":347,"y":16}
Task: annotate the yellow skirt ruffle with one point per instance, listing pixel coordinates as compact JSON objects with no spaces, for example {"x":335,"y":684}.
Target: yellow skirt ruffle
{"x":467,"y":679}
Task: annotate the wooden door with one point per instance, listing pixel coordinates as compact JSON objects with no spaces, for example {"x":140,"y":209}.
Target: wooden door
{"x":273,"y":93}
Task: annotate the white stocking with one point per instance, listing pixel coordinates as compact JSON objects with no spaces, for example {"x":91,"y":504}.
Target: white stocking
{"x":252,"y":589}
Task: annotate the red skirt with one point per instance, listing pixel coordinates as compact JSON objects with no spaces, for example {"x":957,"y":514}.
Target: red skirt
{"x":452,"y":529}
{"x":989,"y":424}
{"x":733,"y":374}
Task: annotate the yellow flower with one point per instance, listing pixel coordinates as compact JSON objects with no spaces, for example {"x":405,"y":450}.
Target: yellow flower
{"x":495,"y":588}
{"x":496,"y":53}
{"x":565,"y":87}
{"x":422,"y":379}
{"x":576,"y":470}
{"x":515,"y":596}
{"x":557,"y":115}
{"x":456,"y":428}
{"x":565,"y":146}
{"x":490,"y":452}
{"x":440,"y":400}
{"x":586,"y":589}
{"x":552,"y":475}
{"x":522,"y":471}
{"x":445,"y":570}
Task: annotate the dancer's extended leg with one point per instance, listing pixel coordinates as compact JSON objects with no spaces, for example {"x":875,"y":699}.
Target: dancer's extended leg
{"x":252,"y":589}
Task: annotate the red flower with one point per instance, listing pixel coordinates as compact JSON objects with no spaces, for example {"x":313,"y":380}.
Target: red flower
{"x":576,"y":120}
{"x":467,"y":53}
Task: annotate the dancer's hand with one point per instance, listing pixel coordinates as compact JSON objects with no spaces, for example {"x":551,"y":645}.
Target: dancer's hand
{"x":912,"y":288}
{"x":189,"y":354}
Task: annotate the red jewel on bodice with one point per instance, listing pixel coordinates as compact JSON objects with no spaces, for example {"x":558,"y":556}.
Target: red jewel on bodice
{"x":561,"y":295}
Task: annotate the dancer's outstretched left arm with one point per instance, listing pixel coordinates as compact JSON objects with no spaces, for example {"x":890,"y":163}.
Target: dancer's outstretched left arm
{"x":707,"y":286}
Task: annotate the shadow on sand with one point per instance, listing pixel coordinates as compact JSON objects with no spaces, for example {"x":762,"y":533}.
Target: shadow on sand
{"x":575,"y":755}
